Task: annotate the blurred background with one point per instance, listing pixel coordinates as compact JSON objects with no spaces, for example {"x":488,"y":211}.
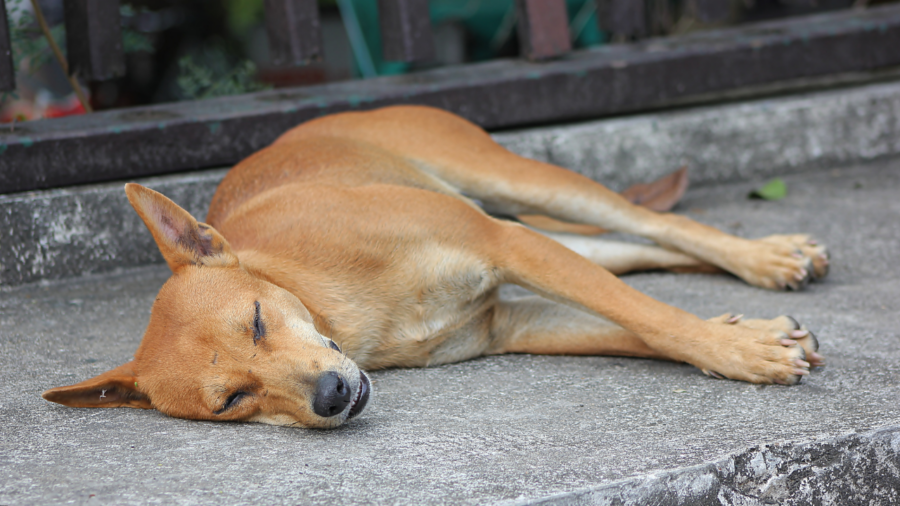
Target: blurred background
{"x":197,"y":49}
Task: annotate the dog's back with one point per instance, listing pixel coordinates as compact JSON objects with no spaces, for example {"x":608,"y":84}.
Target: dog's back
{"x":402,"y":146}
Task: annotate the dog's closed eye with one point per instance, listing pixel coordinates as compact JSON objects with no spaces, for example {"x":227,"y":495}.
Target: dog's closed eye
{"x":233,"y":400}
{"x":259,"y":328}
{"x":333,"y":345}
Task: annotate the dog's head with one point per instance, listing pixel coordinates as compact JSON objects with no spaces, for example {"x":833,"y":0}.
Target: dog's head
{"x":223,"y":344}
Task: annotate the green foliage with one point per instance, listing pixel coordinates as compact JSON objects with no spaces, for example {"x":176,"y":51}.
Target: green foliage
{"x":243,"y":14}
{"x":132,"y":40}
{"x":218,"y":76}
{"x":774,"y":189}
{"x":31,"y":49}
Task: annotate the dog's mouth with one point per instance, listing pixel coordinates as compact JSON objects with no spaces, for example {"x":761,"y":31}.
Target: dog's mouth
{"x":362,"y":396}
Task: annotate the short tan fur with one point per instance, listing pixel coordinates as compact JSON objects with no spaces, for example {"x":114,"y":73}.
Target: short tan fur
{"x":355,"y":242}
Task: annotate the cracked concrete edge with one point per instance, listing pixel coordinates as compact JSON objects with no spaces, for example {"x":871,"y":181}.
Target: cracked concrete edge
{"x":851,"y":469}
{"x":58,"y":234}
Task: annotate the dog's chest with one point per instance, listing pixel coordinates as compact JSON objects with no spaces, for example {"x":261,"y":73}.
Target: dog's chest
{"x":439,"y":311}
{"x":448,"y":289}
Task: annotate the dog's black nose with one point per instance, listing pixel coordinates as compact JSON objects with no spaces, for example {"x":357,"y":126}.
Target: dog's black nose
{"x":332,"y":394}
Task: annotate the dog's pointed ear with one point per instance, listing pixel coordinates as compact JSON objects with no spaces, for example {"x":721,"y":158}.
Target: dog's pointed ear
{"x":180,"y":238}
{"x":113,"y":389}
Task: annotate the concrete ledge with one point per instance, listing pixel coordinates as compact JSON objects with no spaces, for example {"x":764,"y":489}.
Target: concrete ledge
{"x":62,"y":233}
{"x":852,"y":469}
{"x":726,"y":143}
{"x":57,"y":234}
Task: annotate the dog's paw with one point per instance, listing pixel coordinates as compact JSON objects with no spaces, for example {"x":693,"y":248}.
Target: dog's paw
{"x":762,"y":351}
{"x":808,"y":248}
{"x":782,"y":262}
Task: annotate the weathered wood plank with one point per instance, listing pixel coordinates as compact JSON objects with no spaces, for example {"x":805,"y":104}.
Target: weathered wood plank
{"x":294,"y":31}
{"x":406,"y":30}
{"x":7,"y":66}
{"x":94,"y":39}
{"x":543,"y":27}
{"x":623,"y":20}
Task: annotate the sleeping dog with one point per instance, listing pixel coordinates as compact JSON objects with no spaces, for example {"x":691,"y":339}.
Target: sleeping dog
{"x":364,"y":240}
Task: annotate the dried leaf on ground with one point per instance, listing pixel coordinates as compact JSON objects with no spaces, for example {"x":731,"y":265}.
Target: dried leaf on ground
{"x":660,"y":195}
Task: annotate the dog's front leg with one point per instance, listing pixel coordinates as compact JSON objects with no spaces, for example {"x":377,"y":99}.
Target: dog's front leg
{"x":540,"y":326}
{"x":761,"y":353}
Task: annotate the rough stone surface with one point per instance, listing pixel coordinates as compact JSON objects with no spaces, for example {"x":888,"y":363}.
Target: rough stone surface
{"x":853,"y":469}
{"x":63,"y":233}
{"x":69,"y":232}
{"x":516,"y":428}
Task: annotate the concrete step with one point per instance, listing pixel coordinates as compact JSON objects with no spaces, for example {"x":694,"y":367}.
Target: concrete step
{"x":510,"y":429}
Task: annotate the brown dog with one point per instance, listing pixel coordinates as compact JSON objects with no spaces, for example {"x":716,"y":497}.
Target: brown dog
{"x":354,"y":237}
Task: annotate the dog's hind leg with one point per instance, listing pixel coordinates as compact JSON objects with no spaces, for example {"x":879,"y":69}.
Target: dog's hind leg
{"x":509,"y":184}
{"x":464,"y":156}
{"x":622,"y":257}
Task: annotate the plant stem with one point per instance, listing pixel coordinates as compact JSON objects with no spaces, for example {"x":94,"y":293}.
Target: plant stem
{"x":59,"y":56}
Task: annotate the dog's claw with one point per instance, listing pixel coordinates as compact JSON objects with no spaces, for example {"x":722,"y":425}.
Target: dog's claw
{"x":815,"y":342}
{"x":816,"y":360}
{"x":734,"y":318}
{"x":794,"y":321}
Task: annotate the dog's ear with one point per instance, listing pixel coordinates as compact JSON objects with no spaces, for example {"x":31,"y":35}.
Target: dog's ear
{"x":112,"y":389}
{"x":180,"y":238}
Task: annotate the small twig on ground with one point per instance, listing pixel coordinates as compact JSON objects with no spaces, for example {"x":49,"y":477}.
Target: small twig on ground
{"x":39,"y":15}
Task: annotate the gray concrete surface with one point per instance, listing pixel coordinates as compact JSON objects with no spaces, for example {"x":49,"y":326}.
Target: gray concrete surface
{"x":91,"y":229}
{"x":511,"y":429}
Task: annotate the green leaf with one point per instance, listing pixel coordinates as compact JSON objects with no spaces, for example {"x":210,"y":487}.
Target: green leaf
{"x":774,"y":189}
